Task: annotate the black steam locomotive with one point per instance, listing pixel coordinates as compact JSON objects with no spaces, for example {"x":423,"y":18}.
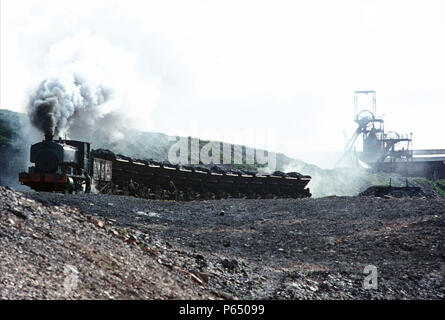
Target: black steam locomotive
{"x":60,"y":165}
{"x":69,"y":166}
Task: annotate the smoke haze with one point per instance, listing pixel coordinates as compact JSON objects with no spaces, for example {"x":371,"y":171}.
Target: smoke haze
{"x":287,"y":66}
{"x":92,"y":91}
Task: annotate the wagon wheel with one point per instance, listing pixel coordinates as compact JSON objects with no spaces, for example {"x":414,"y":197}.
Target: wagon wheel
{"x":158,"y":193}
{"x":190,"y":195}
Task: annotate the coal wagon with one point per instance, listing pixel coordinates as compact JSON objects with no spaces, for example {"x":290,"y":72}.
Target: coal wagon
{"x":150,"y":179}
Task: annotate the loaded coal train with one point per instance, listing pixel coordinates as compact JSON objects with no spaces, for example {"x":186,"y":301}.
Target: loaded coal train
{"x":70,"y":166}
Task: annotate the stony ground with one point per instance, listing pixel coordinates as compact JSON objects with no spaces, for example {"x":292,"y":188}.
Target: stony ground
{"x":102,"y":246}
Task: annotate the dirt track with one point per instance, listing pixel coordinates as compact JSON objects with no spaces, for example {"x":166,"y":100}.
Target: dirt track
{"x":285,"y":249}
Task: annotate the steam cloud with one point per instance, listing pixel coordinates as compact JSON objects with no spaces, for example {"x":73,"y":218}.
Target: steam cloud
{"x":92,"y":90}
{"x":58,"y":102}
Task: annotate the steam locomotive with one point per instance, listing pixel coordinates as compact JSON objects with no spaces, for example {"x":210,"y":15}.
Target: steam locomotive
{"x":60,"y":165}
{"x":70,"y":166}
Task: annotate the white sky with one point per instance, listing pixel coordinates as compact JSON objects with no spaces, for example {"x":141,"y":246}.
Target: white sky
{"x":274,"y":74}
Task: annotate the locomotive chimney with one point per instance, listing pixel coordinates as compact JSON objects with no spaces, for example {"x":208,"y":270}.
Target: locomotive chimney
{"x":48,"y":137}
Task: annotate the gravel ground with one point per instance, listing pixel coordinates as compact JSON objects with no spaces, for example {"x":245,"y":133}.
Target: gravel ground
{"x":57,"y":252}
{"x":239,"y":249}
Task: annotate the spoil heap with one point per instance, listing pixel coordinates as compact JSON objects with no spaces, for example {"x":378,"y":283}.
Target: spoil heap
{"x":57,"y":252}
{"x":105,"y":246}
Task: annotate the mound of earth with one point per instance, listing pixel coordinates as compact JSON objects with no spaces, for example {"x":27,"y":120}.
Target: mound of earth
{"x":58,"y":252}
{"x":398,"y":192}
{"x":105,"y":246}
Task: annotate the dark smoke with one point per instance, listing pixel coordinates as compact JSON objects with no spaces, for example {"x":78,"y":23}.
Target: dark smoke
{"x":58,"y":102}
{"x":43,"y":116}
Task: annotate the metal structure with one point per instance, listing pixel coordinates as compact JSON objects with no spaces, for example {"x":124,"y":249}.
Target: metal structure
{"x":388,"y":151}
{"x":378,"y":145}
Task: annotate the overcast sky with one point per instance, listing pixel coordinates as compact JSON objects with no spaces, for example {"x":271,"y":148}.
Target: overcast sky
{"x":274,"y":74}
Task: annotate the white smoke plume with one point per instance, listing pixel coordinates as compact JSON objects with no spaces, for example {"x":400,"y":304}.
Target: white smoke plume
{"x":328,"y":182}
{"x":58,"y":101}
{"x":93,"y":90}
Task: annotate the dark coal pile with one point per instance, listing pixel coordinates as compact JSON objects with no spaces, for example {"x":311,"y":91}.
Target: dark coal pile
{"x":271,"y":249}
{"x":398,"y":192}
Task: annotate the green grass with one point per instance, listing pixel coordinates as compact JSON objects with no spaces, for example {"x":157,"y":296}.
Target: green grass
{"x":438,"y":186}
{"x":142,"y":245}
